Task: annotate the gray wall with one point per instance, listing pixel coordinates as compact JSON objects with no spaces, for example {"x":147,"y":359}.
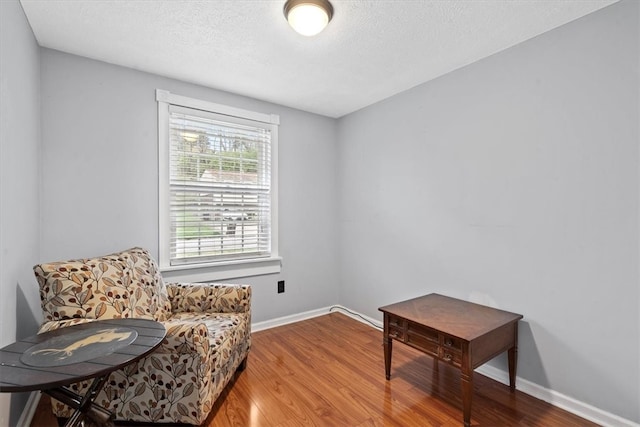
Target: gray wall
{"x":100,"y":176}
{"x":19,"y":182}
{"x":512,"y":182}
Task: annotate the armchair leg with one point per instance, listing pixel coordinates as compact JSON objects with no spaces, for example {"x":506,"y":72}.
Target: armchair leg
{"x":243,"y":365}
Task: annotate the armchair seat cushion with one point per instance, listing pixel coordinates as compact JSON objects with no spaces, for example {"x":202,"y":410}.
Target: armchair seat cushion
{"x":217,"y":333}
{"x":208,"y":333}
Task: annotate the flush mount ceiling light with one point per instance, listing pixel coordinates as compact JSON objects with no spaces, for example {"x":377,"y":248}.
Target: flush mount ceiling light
{"x":308,"y":17}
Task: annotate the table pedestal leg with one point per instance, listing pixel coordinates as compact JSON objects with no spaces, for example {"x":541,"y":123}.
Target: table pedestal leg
{"x":84,"y":405}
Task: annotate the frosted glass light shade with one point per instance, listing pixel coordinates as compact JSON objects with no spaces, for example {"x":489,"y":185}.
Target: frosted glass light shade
{"x":308,"y":17}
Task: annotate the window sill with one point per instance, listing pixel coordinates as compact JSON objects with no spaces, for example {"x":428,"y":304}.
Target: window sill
{"x":224,"y":270}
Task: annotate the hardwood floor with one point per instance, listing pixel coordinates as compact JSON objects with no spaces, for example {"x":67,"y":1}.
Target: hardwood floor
{"x":329,"y":371}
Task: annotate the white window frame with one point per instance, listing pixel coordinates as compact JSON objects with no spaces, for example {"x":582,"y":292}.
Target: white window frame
{"x":223,"y":269}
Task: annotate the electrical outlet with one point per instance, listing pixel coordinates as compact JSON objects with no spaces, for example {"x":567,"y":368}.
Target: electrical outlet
{"x":280,"y":286}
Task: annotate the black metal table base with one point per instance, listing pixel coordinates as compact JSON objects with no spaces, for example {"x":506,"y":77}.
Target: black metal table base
{"x":85,"y":408}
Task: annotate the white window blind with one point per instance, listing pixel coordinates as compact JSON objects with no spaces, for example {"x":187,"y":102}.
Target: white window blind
{"x":219,"y":187}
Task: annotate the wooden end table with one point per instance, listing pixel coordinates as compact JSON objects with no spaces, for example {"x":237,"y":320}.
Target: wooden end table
{"x":460,"y":333}
{"x":53,"y":360}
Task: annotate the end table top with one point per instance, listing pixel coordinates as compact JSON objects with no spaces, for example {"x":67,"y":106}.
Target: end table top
{"x":462,"y":319}
{"x":75,"y":353}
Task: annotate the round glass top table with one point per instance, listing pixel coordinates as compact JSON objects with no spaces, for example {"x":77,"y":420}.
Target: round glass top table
{"x":53,"y":360}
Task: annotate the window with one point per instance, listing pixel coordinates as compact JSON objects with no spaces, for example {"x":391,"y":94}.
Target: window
{"x":218,"y":190}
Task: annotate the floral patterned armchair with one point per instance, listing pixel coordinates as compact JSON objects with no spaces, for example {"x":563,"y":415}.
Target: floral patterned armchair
{"x":208,"y":333}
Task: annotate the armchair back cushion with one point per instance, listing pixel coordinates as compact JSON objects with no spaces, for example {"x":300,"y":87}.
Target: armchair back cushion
{"x":120,"y":285}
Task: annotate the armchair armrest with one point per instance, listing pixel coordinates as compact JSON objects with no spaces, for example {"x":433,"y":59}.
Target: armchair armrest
{"x":52,"y":325}
{"x":209,"y":298}
{"x":185,"y":337}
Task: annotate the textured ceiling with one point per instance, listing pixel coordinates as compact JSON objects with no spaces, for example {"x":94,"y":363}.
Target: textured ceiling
{"x":370,"y":50}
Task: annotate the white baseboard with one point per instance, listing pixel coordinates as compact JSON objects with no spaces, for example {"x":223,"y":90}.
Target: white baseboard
{"x":285,"y":320}
{"x":357,"y":316}
{"x":560,"y":400}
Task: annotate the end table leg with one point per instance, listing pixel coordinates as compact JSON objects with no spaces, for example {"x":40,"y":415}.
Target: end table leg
{"x":388,"y":347}
{"x":513,"y":362}
{"x":467,"y":393}
{"x":513,"y":359}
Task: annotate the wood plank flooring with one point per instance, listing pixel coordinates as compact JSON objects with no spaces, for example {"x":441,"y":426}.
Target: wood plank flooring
{"x":329,"y":371}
